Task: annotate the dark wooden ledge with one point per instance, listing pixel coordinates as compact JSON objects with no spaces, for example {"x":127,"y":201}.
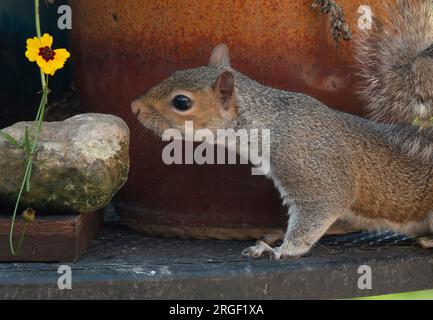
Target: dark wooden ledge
{"x":121,"y":264}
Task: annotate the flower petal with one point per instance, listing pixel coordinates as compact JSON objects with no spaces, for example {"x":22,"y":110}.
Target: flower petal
{"x":62,"y":53}
{"x":32,"y":55}
{"x":47,"y":40}
{"x":41,"y":62}
{"x":48,"y":68}
{"x":33,"y":46}
{"x":51,"y":66}
{"x":33,"y":43}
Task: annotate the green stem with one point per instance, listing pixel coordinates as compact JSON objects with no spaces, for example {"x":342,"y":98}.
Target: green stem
{"x":23,"y":184}
{"x":39,"y":35}
{"x":29,"y":160}
{"x":40,"y":109}
{"x":30,"y":153}
{"x":37,"y":19}
{"x":40,"y":116}
{"x":23,"y":233}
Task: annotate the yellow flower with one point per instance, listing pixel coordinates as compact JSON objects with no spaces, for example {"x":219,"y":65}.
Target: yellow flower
{"x":39,"y":50}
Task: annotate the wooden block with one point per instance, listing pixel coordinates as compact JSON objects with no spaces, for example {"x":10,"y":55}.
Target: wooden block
{"x":53,"y":238}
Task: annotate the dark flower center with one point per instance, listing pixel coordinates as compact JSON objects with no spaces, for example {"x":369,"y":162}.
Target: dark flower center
{"x":47,"y":54}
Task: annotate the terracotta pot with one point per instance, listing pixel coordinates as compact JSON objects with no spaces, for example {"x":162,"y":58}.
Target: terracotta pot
{"x":122,"y":48}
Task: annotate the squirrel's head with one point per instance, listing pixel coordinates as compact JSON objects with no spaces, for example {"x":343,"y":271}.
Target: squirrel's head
{"x":205,"y":95}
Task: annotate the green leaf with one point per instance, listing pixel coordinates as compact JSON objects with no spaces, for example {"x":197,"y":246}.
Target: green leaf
{"x":10,"y":139}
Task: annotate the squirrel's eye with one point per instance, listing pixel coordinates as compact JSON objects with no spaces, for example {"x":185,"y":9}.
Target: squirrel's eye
{"x":182,"y":103}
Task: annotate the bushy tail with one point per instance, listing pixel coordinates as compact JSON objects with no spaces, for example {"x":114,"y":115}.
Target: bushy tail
{"x":396,"y":63}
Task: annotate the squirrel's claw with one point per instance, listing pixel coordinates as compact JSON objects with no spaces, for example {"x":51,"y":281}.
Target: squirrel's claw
{"x":262,"y":249}
{"x":259,"y":250}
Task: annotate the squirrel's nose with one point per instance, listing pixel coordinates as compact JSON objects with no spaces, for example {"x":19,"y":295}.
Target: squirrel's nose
{"x":136,"y":107}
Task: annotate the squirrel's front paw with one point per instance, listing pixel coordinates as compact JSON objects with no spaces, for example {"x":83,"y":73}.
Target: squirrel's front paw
{"x":262,"y":249}
{"x":259,"y":250}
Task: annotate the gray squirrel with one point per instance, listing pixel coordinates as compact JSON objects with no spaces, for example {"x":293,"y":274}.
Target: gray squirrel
{"x":328,"y":165}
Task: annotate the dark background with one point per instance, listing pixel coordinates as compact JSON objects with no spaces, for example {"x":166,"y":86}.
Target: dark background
{"x":19,"y":78}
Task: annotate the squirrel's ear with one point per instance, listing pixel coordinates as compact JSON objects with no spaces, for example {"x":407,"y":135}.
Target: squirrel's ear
{"x":220,"y":56}
{"x":224,"y":88}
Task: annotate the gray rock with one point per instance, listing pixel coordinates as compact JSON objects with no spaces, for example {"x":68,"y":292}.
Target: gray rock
{"x":79,"y":164}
